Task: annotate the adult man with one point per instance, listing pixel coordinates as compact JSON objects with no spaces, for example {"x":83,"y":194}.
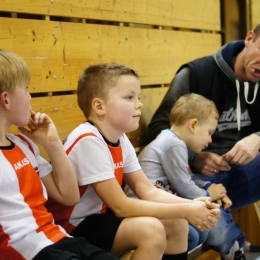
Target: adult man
{"x":229,"y":78}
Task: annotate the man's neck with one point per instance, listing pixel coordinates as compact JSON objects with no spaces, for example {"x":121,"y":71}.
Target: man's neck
{"x":238,"y":66}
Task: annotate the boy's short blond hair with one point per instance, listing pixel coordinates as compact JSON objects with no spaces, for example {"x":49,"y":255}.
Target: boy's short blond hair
{"x":192,"y":106}
{"x":13,"y":71}
{"x":96,"y":80}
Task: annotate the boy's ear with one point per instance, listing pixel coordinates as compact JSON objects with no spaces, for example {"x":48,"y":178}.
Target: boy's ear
{"x":4,"y":100}
{"x":98,"y":106}
{"x":192,"y":124}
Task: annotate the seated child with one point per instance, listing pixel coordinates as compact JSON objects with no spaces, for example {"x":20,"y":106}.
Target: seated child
{"x":27,"y":229}
{"x":156,"y":226}
{"x":165,"y":160}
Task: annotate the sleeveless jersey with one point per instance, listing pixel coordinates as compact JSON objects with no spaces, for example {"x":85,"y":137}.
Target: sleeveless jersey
{"x":93,"y":160}
{"x":26,"y":227}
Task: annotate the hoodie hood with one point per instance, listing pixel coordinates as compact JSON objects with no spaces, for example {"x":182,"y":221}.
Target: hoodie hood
{"x":223,"y":59}
{"x":225,"y":55}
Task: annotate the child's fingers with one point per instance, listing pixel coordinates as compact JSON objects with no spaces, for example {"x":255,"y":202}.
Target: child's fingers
{"x":31,"y":125}
{"x":219,"y":202}
{"x":24,"y":131}
{"x":32,"y":114}
{"x":41,"y":118}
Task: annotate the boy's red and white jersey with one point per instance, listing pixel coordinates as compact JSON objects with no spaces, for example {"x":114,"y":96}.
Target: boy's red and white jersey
{"x":26,"y":227}
{"x":93,"y":160}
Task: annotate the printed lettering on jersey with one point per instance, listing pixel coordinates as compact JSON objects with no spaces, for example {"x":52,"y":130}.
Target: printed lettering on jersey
{"x":228,"y":118}
{"x":117,"y":155}
{"x":118,"y":165}
{"x":21,"y":164}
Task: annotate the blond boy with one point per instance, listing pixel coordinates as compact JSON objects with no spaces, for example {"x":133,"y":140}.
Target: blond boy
{"x":27,"y":229}
{"x":165,"y":160}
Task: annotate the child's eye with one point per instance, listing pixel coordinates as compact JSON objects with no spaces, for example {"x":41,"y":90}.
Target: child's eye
{"x":129,"y":97}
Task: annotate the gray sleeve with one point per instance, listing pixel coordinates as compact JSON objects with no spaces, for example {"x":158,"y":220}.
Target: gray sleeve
{"x":181,"y":86}
{"x":200,"y":183}
{"x":161,"y":118}
{"x":176,"y":168}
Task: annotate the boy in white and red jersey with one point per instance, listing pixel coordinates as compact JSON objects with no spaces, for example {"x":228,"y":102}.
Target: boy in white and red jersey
{"x":27,"y":229}
{"x":156,"y":226}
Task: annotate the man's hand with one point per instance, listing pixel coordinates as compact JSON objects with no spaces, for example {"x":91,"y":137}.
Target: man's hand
{"x":243,"y":151}
{"x":210,"y":163}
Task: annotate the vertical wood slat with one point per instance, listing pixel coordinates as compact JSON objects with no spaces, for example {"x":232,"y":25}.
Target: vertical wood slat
{"x":255,"y":10}
{"x":248,"y":219}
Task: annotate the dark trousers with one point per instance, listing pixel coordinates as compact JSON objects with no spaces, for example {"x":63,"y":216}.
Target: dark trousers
{"x":73,"y":249}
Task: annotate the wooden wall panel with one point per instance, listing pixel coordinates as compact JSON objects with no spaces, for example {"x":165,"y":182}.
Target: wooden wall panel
{"x":57,"y":44}
{"x":248,"y":219}
{"x":255,"y":10}
{"x":151,"y":98}
{"x":155,"y":54}
{"x":41,"y":44}
{"x":198,"y":14}
{"x":57,"y":52}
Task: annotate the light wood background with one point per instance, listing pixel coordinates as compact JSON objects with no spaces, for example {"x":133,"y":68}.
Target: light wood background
{"x":59,"y":38}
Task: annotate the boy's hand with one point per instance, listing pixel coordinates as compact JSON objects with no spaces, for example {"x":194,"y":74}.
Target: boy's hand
{"x":41,"y":129}
{"x":226,"y":202}
{"x":216,"y":191}
{"x":203,"y":215}
{"x":215,"y":213}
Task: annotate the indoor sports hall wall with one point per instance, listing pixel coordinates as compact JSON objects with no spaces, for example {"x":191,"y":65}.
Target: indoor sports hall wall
{"x":59,"y":38}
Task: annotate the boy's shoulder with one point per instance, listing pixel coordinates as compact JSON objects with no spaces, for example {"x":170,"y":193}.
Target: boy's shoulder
{"x":90,"y":135}
{"x":83,"y":130}
{"x":167,"y":138}
{"x":21,"y":139}
{"x":165,"y":142}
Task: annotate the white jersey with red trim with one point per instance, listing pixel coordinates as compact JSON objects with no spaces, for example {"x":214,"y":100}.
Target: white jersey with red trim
{"x":93,"y":160}
{"x":26,"y":227}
